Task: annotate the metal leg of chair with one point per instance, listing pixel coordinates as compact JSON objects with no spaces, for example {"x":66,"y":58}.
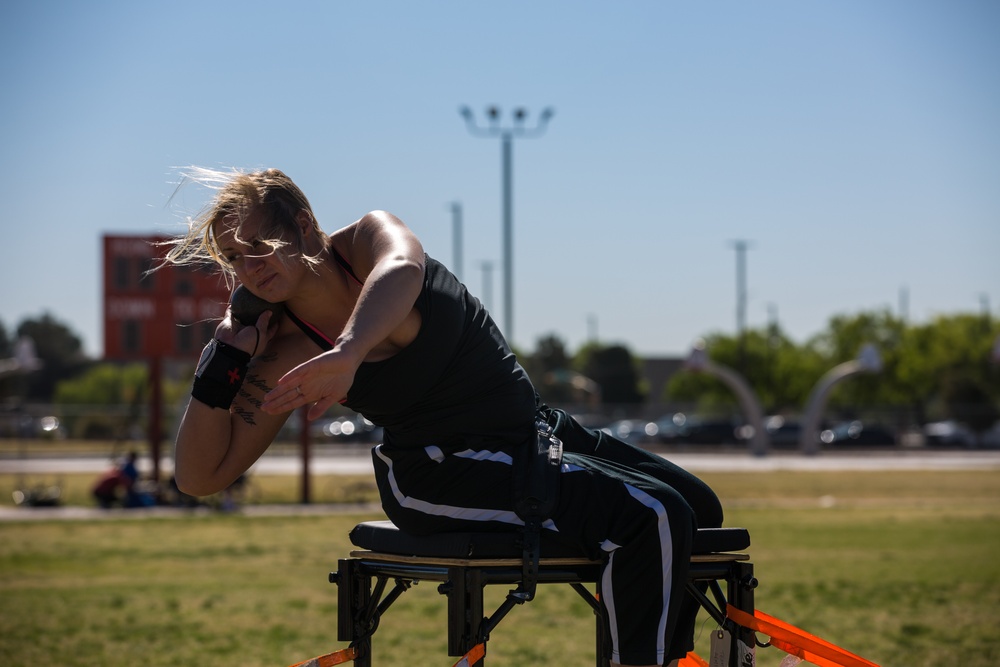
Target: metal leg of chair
{"x":603,"y":648}
{"x":601,"y":629}
{"x":465,"y":610}
{"x":353,"y":599}
{"x":741,"y":587}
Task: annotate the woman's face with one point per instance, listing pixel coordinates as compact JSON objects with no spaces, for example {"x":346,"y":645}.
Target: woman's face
{"x":265,"y":271}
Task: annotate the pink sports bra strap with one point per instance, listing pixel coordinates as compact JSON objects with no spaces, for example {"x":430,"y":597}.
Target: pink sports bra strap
{"x":344,"y":264}
{"x":314,"y":334}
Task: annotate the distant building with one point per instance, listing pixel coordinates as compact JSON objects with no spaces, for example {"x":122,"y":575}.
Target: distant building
{"x":170,"y":313}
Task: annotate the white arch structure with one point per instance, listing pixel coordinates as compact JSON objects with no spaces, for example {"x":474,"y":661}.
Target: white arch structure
{"x":868,"y":361}
{"x":698,"y":361}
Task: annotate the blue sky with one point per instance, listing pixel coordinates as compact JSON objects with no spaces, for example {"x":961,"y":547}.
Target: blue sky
{"x":854,"y":144}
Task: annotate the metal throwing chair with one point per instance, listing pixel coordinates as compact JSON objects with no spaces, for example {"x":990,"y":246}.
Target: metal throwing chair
{"x":465,"y":563}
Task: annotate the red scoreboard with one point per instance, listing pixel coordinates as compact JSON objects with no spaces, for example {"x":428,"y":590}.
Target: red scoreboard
{"x":170,"y":313}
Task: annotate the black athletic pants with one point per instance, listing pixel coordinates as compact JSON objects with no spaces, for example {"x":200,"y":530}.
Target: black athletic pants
{"x":616,"y":500}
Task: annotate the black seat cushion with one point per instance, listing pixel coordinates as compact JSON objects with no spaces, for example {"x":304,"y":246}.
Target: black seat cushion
{"x":385,"y":537}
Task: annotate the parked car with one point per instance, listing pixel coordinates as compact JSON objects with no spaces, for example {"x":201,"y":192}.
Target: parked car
{"x":948,"y":434}
{"x":782,"y":432}
{"x":990,"y":438}
{"x":345,"y":429}
{"x":857,"y":434}
{"x":712,"y":431}
{"x":669,"y":427}
{"x":694,"y":430}
{"x":632,"y":431}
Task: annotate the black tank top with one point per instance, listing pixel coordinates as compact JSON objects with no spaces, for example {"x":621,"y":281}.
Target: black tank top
{"x":456,"y":384}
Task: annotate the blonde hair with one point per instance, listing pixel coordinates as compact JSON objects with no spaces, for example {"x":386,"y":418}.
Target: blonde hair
{"x":238,"y":194}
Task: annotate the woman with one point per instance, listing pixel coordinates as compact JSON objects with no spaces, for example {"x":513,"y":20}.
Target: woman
{"x":371,"y":322}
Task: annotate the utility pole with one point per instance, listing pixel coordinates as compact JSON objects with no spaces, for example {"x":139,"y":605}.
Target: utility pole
{"x":518,"y":128}
{"x":487,"y":268}
{"x":456,"y":238}
{"x":591,"y":328}
{"x":741,"y":245}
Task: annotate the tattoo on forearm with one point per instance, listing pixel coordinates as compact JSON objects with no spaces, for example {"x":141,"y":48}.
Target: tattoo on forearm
{"x":257,"y":382}
{"x":250,"y":398}
{"x":246,"y":414}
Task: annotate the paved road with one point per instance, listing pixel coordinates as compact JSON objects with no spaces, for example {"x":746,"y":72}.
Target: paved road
{"x":357,"y":461}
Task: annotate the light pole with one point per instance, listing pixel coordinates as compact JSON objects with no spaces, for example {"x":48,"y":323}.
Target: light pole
{"x":741,"y":246}
{"x":518,"y":128}
{"x":456,"y":238}
{"x":487,"y":268}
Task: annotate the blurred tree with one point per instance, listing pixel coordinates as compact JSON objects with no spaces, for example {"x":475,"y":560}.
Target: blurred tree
{"x":843,"y":340}
{"x":6,"y":345}
{"x":60,"y":351}
{"x":780,"y":373}
{"x":614,"y":370}
{"x":549,"y":370}
{"x":947,"y":367}
{"x":968,"y":400}
{"x":519,"y":353}
{"x":8,"y":382}
{"x":123,"y":388}
{"x":550,"y":354}
{"x":104,"y":384}
{"x":942,"y":369}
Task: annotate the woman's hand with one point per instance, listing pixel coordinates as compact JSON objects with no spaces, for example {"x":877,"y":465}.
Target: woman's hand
{"x":323,"y":381}
{"x":249,"y":339}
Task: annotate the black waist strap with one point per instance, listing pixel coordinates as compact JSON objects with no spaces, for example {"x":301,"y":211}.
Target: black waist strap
{"x":537,"y":467}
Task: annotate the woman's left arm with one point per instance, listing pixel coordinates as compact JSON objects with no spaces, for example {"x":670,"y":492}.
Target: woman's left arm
{"x":389,"y":259}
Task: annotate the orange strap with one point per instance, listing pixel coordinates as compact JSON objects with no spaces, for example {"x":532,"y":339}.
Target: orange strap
{"x":692,"y":659}
{"x":473,"y":656}
{"x":797,"y":642}
{"x":330,"y":659}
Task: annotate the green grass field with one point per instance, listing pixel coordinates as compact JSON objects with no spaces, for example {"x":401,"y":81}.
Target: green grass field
{"x":901,"y":568}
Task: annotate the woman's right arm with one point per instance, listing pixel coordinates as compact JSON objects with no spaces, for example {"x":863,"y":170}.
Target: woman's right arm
{"x":215,"y":445}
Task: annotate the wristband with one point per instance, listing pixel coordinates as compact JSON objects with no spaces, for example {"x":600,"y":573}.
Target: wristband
{"x":220,"y":374}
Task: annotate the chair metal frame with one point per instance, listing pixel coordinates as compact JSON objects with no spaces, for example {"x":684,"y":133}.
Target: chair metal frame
{"x":362,"y":580}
